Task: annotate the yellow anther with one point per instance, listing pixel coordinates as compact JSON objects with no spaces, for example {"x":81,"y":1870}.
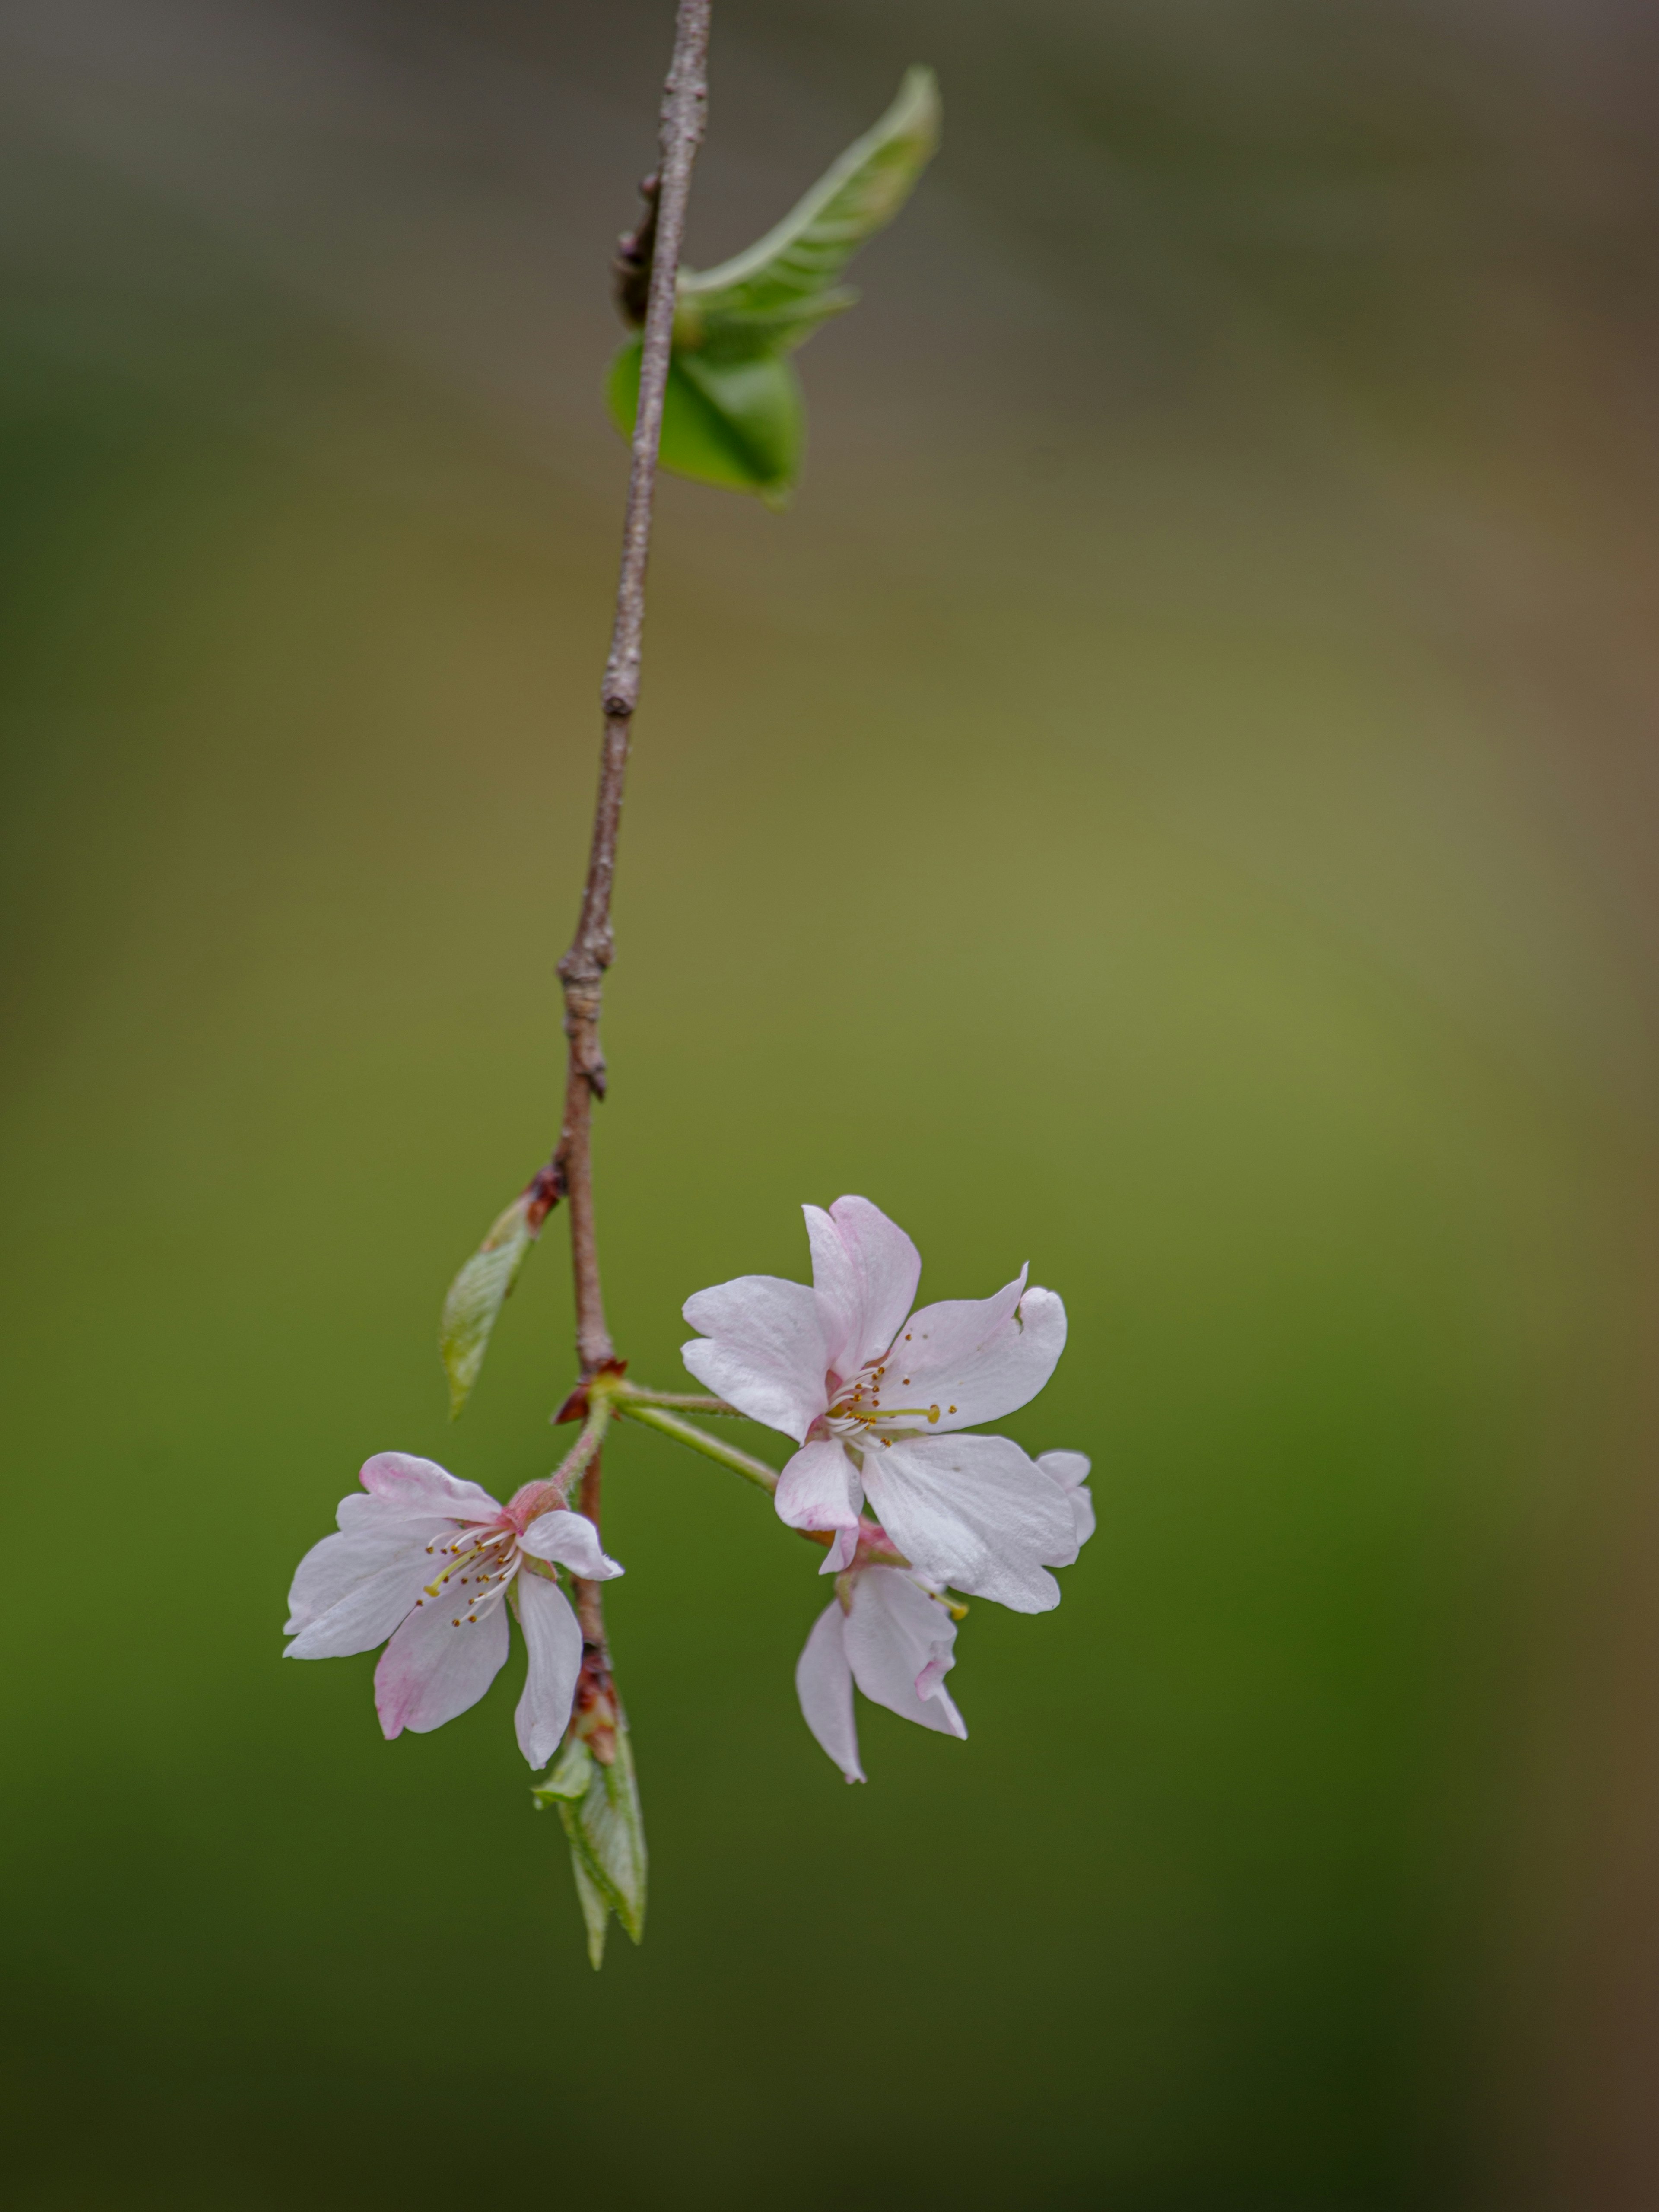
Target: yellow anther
{"x":932,"y":1412}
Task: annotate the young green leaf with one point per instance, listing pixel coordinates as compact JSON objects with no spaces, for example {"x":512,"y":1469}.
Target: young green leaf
{"x":732,"y":411}
{"x":776,"y":292}
{"x":596,"y":1913}
{"x":599,"y":1806}
{"x":478,"y":1292}
{"x":737,"y":424}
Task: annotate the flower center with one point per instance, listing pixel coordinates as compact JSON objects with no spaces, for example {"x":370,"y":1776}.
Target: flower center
{"x":858,"y":1415}
{"x":479,"y":1564}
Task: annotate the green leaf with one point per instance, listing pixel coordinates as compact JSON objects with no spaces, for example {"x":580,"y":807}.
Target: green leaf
{"x":737,"y":424}
{"x":774,"y":295}
{"x":599,"y":1806}
{"x":478,"y":1293}
{"x":596,"y":1913}
{"x":733,"y":410}
{"x":569,"y":1776}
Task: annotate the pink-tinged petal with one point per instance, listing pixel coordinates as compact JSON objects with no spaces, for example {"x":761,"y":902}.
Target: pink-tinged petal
{"x":819,"y":1488}
{"x":844,"y":1550}
{"x":434,"y":1668}
{"x":420,"y":1485}
{"x":762,"y":1348}
{"x":976,"y":1513}
{"x":349,"y":1592}
{"x":823,"y":1683}
{"x":553,"y":1639}
{"x":899,"y":1645}
{"x":573,"y":1540}
{"x":976,"y":1358}
{"x":865,"y":1272}
{"x":1070,"y":1470}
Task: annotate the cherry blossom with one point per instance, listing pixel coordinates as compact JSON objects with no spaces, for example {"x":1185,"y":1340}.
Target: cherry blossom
{"x":887,"y":1631}
{"x":429,"y":1561}
{"x":876,"y":1396}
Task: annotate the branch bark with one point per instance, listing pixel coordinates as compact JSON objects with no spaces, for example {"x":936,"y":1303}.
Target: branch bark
{"x":582,"y":970}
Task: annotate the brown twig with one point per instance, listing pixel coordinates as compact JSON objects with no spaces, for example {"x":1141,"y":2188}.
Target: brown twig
{"x":582,"y":970}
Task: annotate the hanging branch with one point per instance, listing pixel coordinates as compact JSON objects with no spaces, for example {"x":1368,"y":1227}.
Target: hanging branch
{"x":706,"y":387}
{"x":582,"y":970}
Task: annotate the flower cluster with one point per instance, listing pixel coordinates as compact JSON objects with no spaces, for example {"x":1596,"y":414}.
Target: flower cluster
{"x":876,"y":1395}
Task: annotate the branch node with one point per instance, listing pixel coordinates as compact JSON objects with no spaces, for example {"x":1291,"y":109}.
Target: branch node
{"x":636,"y":248}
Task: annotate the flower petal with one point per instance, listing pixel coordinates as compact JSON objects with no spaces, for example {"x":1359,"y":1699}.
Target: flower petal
{"x":975,"y":1512}
{"x":1070,"y":1470}
{"x":553,"y":1639}
{"x":573,"y":1540}
{"x":841,"y":1552}
{"x":762,"y":1348}
{"x":977,"y":1358}
{"x":420,"y":1485}
{"x":823,"y":1683}
{"x":901,"y":1646}
{"x":351,"y":1591}
{"x":865,"y":1272}
{"x":434,"y":1668}
{"x":819,"y":1488}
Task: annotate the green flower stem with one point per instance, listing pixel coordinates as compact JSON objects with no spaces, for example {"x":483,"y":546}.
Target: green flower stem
{"x":553,"y":1491}
{"x":657,"y":1417}
{"x":593,"y":1436}
{"x":686,"y":1401}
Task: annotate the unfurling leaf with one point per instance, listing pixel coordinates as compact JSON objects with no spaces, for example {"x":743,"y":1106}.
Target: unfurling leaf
{"x":778,"y":291}
{"x":737,"y":424}
{"x":733,"y":413}
{"x":599,"y":1806}
{"x":477,"y":1295}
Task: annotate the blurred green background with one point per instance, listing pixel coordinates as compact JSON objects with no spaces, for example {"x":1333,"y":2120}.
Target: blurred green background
{"x":1173,"y":801}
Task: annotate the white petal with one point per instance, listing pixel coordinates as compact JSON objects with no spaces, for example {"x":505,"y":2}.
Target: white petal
{"x":1070,"y":1470}
{"x":865,"y":1272}
{"x":975,"y":1512}
{"x":433,"y":1669}
{"x":841,"y":1552}
{"x":573,"y":1540}
{"x":899,"y":1645}
{"x":823,"y":1683}
{"x":976,"y":1359}
{"x":553,"y":1639}
{"x":819,"y":1488}
{"x":762,"y":1347}
{"x":420,"y":1485}
{"x":349,"y":1592}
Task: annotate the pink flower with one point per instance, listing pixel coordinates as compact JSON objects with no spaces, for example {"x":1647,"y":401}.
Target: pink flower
{"x":891,"y":1636}
{"x":875,"y":1394}
{"x":429,"y":1561}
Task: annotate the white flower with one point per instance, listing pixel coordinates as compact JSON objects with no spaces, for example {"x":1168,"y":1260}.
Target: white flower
{"x":875,"y":1396}
{"x":892,"y":1637}
{"x":428,"y":1560}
